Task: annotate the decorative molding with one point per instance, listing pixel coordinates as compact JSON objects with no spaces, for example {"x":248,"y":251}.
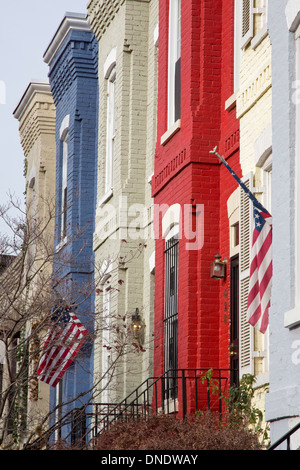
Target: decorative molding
{"x":79,"y":58}
{"x":174,"y":165}
{"x":35,"y":86}
{"x":101,"y":14}
{"x":72,"y":21}
{"x":36,"y":114}
{"x":232,"y":143}
{"x":254,"y":90}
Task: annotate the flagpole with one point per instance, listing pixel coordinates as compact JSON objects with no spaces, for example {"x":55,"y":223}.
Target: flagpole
{"x":251,"y":196}
{"x":216,"y":153}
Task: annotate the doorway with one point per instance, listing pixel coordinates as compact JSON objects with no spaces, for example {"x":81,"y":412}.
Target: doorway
{"x":234,"y":321}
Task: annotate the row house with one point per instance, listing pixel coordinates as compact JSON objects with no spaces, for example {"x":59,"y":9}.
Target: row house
{"x":253,"y":96}
{"x":127,"y":37}
{"x":36,"y":115}
{"x":195,"y":197}
{"x":72,"y":60}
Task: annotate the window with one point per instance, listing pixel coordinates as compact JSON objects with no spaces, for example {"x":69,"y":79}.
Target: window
{"x":174,"y":72}
{"x":106,"y":372}
{"x":237,"y":44}
{"x":64,"y":193}
{"x":253,"y":20}
{"x":171,"y":312}
{"x":110,"y":130}
{"x":267,"y":183}
{"x":64,"y":137}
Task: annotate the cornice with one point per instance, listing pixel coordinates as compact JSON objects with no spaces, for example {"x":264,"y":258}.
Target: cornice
{"x":71,"y":21}
{"x":36,"y":114}
{"x":101,"y":13}
{"x":35,"y":86}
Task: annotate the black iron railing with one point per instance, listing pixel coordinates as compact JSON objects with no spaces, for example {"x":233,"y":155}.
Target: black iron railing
{"x":286,"y":438}
{"x":196,"y":389}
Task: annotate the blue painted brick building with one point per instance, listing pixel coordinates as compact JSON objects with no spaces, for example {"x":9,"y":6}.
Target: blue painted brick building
{"x":72,"y":60}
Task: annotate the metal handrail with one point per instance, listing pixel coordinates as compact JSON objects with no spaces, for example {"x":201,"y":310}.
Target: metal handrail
{"x":138,"y":402}
{"x":286,"y":437}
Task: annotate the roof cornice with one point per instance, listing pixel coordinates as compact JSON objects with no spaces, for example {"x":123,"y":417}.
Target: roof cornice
{"x":71,"y":21}
{"x":35,"y":86}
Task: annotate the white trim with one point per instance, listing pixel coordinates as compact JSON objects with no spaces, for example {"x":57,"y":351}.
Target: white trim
{"x":259,"y":37}
{"x":35,"y":86}
{"x":110,"y":62}
{"x":263,"y":146}
{"x":230,"y":102}
{"x":64,"y":127}
{"x":110,"y":129}
{"x":72,"y":21}
{"x":170,"y":132}
{"x":292,"y":318}
{"x":237,"y":43}
{"x":105,"y":197}
{"x":152,"y":263}
{"x":171,"y":219}
{"x":156,"y":35}
{"x":173,"y":56}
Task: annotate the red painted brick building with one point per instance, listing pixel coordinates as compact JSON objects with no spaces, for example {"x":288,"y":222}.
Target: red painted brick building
{"x":196,"y":112}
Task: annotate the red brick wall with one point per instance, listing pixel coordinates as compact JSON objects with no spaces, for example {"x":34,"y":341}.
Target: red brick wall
{"x":185,"y":173}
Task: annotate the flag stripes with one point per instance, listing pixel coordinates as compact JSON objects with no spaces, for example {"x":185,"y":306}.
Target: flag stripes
{"x":62,"y":345}
{"x":261,"y":267}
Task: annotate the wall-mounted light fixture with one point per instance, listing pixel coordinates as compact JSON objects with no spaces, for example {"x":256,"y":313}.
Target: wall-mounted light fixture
{"x":218,"y":268}
{"x":137,"y":326}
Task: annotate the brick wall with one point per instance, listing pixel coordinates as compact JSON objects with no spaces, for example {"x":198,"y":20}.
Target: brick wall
{"x":74,"y":84}
{"x":128,"y":28}
{"x":185,"y":173}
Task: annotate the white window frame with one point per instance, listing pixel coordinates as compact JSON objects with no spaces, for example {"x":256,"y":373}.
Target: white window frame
{"x":106,"y":333}
{"x":110,"y":130}
{"x":247,"y":15}
{"x":64,"y":137}
{"x":267,"y":183}
{"x":174,"y":54}
{"x":237,"y":43}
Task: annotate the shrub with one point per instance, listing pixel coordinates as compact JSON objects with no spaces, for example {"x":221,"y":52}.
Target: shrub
{"x":166,"y":432}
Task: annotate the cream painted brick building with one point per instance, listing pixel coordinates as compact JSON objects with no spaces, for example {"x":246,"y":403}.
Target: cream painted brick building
{"x":127,"y":34}
{"x":36,"y":115}
{"x":254,"y":110}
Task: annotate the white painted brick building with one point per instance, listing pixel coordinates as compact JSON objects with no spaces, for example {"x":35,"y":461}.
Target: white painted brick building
{"x":127,"y":34}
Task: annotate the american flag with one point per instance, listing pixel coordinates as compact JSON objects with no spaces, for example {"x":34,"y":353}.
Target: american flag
{"x":65,"y":337}
{"x":261,"y":268}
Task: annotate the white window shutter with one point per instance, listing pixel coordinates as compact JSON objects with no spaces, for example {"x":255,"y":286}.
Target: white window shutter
{"x":246,"y":332}
{"x":247,"y":21}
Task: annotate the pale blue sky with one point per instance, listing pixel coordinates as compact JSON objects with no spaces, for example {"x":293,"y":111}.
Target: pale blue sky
{"x":26,"y":29}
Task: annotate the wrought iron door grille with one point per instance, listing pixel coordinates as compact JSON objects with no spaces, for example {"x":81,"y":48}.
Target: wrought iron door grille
{"x":171,"y":316}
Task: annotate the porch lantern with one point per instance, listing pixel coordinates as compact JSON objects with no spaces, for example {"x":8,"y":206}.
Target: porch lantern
{"x":218,"y":268}
{"x":137,"y":326}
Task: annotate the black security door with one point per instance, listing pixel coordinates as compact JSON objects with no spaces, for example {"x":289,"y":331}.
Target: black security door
{"x":234,"y":320}
{"x":171,"y":315}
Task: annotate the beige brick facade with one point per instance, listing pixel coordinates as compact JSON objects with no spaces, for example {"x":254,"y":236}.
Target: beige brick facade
{"x":36,"y":115}
{"x":126,"y":32}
